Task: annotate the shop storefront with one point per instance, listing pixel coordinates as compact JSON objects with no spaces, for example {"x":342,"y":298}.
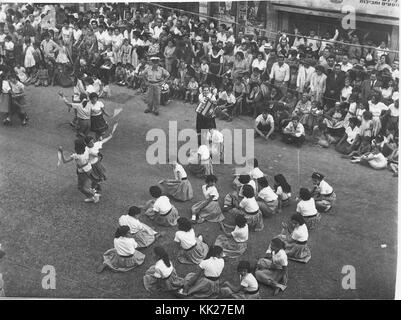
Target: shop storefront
{"x":378,"y":20}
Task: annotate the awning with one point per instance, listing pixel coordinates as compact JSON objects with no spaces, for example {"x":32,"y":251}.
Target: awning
{"x":336,"y":15}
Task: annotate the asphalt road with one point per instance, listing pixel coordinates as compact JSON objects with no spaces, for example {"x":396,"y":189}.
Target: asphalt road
{"x":44,"y":221}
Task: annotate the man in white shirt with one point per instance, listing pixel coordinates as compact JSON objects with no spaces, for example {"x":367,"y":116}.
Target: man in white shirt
{"x":280,"y":74}
{"x":294,"y":133}
{"x":264,"y":125}
{"x":100,"y":33}
{"x":346,"y":65}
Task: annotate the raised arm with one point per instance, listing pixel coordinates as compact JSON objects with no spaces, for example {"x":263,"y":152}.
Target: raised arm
{"x":64,"y":159}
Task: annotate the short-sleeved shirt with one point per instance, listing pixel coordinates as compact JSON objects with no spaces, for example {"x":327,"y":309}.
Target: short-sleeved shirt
{"x":267,"y":194}
{"x":325,"y":188}
{"x":125,"y":246}
{"x":268,"y":121}
{"x":204,"y":152}
{"x":162,"y":205}
{"x":284,"y":195}
{"x":249,"y":205}
{"x":210,"y":191}
{"x":256,"y":173}
{"x":96,"y":109}
{"x":307,"y":208}
{"x":212,"y":267}
{"x":240,"y":234}
{"x":134,"y":224}
{"x":161,"y":270}
{"x":351,"y":134}
{"x":179,"y":171}
{"x":82,"y":161}
{"x":300,"y":233}
{"x":185,"y":239}
{"x":280,"y":258}
{"x":393,"y":110}
{"x":249,"y":282}
{"x":94,"y":152}
{"x":376,"y":109}
{"x":83,"y":112}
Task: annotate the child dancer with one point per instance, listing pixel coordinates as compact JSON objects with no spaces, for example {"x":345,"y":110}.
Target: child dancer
{"x":248,"y":287}
{"x":295,"y":237}
{"x":84,"y":170}
{"x":124,"y":256}
{"x":142,"y":233}
{"x":234,"y":243}
{"x":205,"y":283}
{"x":83,"y":112}
{"x":161,"y":210}
{"x":179,"y":188}
{"x":307,"y":209}
{"x":162,"y":276}
{"x":192,"y":249}
{"x":323,"y":193}
{"x":272,"y":270}
{"x":267,"y":199}
{"x":250,"y":209}
{"x":283,"y":191}
{"x":208,"y":209}
{"x":98,"y":125}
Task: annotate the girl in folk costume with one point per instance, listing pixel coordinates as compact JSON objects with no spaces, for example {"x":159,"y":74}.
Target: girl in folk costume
{"x":83,"y":111}
{"x":29,"y":59}
{"x":98,"y":124}
{"x":84,"y":170}
{"x":205,"y":283}
{"x":323,"y":193}
{"x":96,"y":158}
{"x":161,"y":210}
{"x":248,"y":287}
{"x":125,"y":52}
{"x":18,"y":102}
{"x":192,"y":249}
{"x":208,"y":209}
{"x":252,"y":166}
{"x":283,"y":191}
{"x":295,"y":237}
{"x":200,"y":163}
{"x":142,"y":233}
{"x":267,"y":199}
{"x":233,"y":198}
{"x":250,"y":209}
{"x":307,"y":209}
{"x":162,"y":276}
{"x":62,"y":56}
{"x":272,"y":270}
{"x":179,"y":188}
{"x":234,"y":243}
{"x":124,"y":256}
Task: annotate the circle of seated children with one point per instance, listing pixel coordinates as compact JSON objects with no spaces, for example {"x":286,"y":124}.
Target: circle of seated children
{"x":251,"y":196}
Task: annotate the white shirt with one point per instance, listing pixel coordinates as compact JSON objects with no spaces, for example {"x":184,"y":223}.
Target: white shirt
{"x":300,"y":233}
{"x":210,"y":191}
{"x":161,"y":270}
{"x":249,"y":282}
{"x":280,"y":192}
{"x":216,"y":136}
{"x":267,"y":194}
{"x":249,"y":205}
{"x":346,"y":67}
{"x":204,"y":152}
{"x":240,"y":234}
{"x":256,"y":173}
{"x":346,"y":92}
{"x":280,"y":258}
{"x":96,"y":109}
{"x":162,"y":205}
{"x":393,"y":111}
{"x":325,"y":188}
{"x":300,"y":130}
{"x":351,"y":134}
{"x":185,"y":239}
{"x":269,"y":120}
{"x":280,"y":73}
{"x":82,"y":161}
{"x":125,"y":246}
{"x":250,"y":183}
{"x":376,"y":109}
{"x":179,"y":172}
{"x":261,"y":65}
{"x":134,"y":224}
{"x":213,"y":267}
{"x":307,"y":208}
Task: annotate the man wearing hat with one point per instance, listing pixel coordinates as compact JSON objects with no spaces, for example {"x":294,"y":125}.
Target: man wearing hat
{"x":154,"y":76}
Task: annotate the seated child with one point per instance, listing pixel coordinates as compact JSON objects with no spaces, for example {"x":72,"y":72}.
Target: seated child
{"x":42,"y":76}
{"x":192,"y":91}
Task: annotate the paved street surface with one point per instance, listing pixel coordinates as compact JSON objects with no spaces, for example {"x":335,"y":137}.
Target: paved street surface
{"x":44,"y":221}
